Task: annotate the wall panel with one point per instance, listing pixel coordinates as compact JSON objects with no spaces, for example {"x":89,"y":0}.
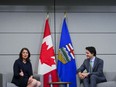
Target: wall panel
{"x":23,"y":26}
{"x":24,"y":22}
{"x":13,"y":43}
{"x":88,"y":22}
{"x":104,"y":43}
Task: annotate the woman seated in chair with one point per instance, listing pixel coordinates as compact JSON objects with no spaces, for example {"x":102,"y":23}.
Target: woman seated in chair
{"x":23,"y":71}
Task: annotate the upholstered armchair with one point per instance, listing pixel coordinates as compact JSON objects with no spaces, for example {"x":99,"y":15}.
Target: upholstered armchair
{"x":5,"y":79}
{"x":111,"y":80}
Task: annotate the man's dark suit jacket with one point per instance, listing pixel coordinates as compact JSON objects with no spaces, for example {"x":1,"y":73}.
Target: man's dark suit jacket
{"x":97,"y":67}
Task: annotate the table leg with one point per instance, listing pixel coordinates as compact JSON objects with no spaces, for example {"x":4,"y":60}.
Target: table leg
{"x":51,"y":85}
{"x":67,"y":85}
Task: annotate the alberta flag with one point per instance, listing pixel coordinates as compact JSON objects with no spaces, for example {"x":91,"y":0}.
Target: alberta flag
{"x":47,"y":64}
{"x":66,"y":60}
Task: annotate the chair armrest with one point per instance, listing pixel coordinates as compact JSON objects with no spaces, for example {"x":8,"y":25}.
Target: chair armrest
{"x":110,"y":76}
{"x":78,"y":80}
{"x":39,"y":78}
{"x":3,"y":80}
{"x":0,"y":80}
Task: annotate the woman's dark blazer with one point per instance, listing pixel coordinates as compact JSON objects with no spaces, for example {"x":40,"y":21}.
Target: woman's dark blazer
{"x":27,"y":70}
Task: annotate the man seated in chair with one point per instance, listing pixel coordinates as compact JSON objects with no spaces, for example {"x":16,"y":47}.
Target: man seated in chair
{"x":94,"y":67}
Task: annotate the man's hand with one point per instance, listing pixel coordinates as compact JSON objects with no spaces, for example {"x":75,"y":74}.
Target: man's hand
{"x":85,"y":74}
{"x":82,"y":75}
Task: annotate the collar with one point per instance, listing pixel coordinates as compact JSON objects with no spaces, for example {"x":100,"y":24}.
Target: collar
{"x":93,"y":59}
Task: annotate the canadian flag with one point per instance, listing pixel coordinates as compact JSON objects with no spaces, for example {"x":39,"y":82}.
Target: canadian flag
{"x":47,"y":64}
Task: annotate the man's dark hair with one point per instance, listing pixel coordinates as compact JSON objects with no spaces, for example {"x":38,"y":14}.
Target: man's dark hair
{"x":91,"y":49}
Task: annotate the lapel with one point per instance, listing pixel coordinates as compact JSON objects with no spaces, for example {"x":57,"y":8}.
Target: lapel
{"x":95,"y":63}
{"x":88,"y":64}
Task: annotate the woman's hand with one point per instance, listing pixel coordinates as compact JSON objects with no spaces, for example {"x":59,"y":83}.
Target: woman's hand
{"x":30,"y":79}
{"x":21,"y":73}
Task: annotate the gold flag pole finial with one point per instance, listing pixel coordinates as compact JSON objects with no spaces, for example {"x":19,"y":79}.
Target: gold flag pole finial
{"x":64,"y":14}
{"x":47,"y":15}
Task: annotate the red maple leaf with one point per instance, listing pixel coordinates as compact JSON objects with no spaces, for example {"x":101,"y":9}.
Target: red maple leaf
{"x":47,"y":54}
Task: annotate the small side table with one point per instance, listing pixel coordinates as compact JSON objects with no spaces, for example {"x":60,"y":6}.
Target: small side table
{"x":59,"y":83}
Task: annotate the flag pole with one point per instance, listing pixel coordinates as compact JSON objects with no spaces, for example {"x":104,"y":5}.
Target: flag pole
{"x":55,"y":28}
